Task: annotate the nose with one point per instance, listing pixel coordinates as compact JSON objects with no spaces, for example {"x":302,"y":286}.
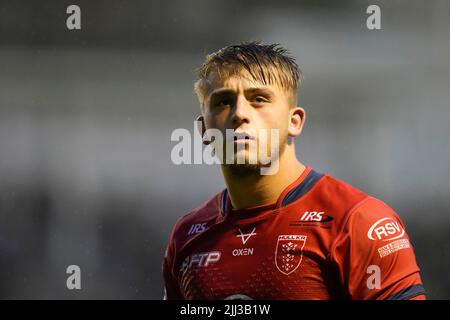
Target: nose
{"x":241,"y":111}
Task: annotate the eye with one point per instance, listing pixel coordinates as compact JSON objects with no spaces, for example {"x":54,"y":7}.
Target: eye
{"x":222,"y":103}
{"x":260,"y":99}
{"x":225,"y":102}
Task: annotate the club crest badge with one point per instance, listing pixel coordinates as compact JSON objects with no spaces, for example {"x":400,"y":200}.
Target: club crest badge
{"x":289,"y":252}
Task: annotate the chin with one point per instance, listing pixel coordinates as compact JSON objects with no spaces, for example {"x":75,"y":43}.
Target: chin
{"x":244,"y":155}
{"x":244,"y":170}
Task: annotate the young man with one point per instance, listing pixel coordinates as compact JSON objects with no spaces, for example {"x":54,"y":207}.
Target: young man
{"x":291,"y":234}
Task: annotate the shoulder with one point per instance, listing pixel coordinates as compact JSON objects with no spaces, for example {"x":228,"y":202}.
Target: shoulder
{"x":366,"y":222}
{"x":340,"y":188}
{"x":336,"y":196}
{"x":361,"y":208}
{"x":197,"y":220}
{"x":352,"y":206}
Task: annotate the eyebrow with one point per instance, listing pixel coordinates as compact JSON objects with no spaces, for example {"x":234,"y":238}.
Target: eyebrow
{"x":265,"y":91}
{"x":254,"y":90}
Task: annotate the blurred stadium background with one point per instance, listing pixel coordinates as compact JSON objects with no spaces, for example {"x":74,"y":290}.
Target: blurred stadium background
{"x":86,"y":118}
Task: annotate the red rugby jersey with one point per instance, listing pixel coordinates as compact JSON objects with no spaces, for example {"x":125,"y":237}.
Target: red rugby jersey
{"x":322,"y":239}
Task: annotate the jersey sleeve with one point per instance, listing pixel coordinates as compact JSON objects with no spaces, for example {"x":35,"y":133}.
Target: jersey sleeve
{"x":374,"y":255}
{"x":171,"y":289}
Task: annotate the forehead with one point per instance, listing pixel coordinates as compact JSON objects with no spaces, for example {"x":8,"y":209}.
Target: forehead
{"x":236,"y":81}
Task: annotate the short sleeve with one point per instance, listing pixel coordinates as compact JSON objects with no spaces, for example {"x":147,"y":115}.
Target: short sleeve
{"x":374,"y":255}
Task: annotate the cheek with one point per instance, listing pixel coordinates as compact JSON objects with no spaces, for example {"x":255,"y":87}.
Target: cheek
{"x":276,"y":118}
{"x":215,"y":120}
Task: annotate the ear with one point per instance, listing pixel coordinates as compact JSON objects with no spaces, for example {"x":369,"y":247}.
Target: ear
{"x":296,"y":121}
{"x":200,"y":121}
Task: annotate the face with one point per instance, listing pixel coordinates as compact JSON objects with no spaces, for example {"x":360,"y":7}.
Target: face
{"x":247,"y":106}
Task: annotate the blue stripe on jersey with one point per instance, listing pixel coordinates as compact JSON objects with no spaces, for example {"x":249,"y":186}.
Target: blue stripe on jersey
{"x":223,"y":201}
{"x":408,"y":293}
{"x":306,"y":185}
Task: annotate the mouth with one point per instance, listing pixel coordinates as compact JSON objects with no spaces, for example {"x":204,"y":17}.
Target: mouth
{"x":242,"y":137}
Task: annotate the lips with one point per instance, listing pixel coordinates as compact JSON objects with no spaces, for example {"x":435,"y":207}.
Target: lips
{"x":242,"y":136}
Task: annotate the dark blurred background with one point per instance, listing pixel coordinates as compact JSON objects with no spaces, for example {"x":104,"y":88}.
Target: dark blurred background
{"x":86,"y":118}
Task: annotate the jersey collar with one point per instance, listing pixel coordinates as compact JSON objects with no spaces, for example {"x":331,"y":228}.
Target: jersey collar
{"x":307,"y":179}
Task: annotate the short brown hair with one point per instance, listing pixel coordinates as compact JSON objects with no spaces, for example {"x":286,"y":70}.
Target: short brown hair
{"x":267,"y":63}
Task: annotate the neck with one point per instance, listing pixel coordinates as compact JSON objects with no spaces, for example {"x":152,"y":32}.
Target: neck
{"x":254,"y":190}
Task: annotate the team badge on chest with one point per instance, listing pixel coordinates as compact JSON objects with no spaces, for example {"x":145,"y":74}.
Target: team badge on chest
{"x":289,"y":252}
